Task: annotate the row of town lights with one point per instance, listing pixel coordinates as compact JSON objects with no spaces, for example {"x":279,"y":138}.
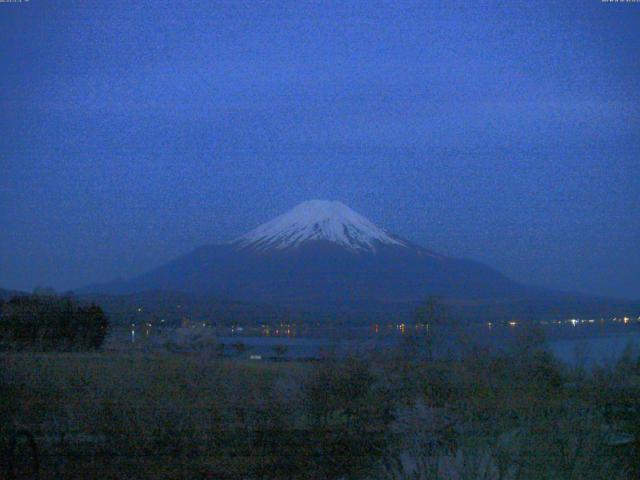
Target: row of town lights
{"x":287,"y":329}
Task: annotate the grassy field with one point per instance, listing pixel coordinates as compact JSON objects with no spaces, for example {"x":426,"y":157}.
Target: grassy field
{"x":150,"y":411}
{"x":387,"y":416}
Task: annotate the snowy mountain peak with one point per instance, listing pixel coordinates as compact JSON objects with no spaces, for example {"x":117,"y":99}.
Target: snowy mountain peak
{"x":318,"y":220}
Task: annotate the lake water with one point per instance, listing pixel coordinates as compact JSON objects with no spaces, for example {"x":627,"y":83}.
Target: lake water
{"x":584,"y":345}
{"x":604,"y":350}
{"x":588,"y":351}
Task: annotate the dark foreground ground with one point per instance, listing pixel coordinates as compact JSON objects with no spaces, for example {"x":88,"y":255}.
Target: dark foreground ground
{"x":388,"y":415}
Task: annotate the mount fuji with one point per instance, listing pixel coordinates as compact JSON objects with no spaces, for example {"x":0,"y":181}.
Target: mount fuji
{"x":322,"y":252}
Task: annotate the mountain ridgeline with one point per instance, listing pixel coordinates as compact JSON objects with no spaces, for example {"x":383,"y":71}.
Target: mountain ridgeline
{"x":323,"y":253}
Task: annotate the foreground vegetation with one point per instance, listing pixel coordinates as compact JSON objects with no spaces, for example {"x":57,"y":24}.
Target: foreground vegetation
{"x":387,"y":415}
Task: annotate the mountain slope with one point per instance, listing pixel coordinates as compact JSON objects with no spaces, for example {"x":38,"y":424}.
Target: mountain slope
{"x":321,"y":271}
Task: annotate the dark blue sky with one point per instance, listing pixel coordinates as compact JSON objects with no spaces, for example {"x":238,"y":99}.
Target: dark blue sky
{"x":133,"y":131}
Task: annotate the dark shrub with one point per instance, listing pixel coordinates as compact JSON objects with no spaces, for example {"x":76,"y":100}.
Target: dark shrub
{"x":347,"y":431}
{"x":51,"y":323}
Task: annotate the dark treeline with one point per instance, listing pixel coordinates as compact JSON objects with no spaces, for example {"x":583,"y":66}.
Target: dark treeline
{"x":47,"y":322}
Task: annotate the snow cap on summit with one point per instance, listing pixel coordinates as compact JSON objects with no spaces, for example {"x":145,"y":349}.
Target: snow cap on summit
{"x":318,"y":220}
